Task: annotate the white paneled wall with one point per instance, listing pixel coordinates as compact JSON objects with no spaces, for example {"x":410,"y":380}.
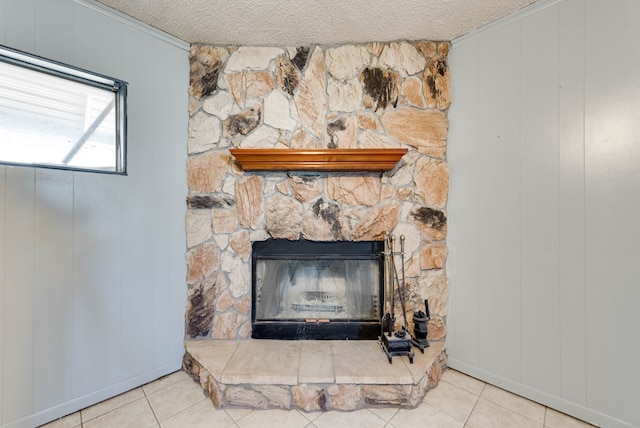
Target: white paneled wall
{"x":92,"y":269}
{"x":544,"y":207}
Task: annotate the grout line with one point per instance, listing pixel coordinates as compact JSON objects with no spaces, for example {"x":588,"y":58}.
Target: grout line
{"x":515,"y":411}
{"x":146,"y":397}
{"x":544,"y":419}
{"x":475,"y":404}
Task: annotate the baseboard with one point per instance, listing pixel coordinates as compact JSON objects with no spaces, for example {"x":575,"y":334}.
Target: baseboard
{"x":560,"y":404}
{"x":87,"y":400}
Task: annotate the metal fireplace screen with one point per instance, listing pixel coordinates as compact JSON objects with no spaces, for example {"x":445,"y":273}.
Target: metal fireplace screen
{"x":317,"y":290}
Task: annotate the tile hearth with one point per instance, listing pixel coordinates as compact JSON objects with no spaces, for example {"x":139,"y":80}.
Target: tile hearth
{"x":311,"y":375}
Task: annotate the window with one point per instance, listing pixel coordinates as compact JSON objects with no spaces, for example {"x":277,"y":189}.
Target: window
{"x":56,"y":116}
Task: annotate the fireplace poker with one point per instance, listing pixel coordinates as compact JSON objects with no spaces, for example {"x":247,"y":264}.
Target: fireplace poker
{"x":388,"y":320}
{"x":405,"y":325}
{"x":392,"y":294}
{"x":401,"y":291}
{"x":393,"y":343}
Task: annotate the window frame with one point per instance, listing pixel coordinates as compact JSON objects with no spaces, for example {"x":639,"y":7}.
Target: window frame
{"x":57,"y":69}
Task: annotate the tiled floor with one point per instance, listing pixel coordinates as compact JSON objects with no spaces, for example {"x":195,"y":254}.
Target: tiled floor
{"x":459,"y":401}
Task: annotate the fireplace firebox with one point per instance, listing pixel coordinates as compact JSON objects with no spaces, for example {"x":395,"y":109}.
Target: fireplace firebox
{"x":317,"y":290}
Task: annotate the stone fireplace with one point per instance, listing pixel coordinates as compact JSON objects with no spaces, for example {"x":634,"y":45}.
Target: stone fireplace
{"x":355,"y":96}
{"x":378,"y":95}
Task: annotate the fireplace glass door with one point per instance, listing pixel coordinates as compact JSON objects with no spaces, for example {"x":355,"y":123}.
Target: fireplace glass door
{"x":311,"y":290}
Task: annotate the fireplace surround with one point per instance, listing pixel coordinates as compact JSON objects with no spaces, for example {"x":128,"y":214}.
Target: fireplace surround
{"x":316,"y":290}
{"x":279,"y":101}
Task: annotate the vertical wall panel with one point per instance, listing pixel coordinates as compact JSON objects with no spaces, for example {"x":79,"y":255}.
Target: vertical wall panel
{"x":53,"y":34}
{"x":170,"y":195}
{"x":612,"y":167}
{"x":97,"y":232}
{"x":96,"y":282}
{"x":19,"y":23}
{"x":172,"y":150}
{"x":3,"y":15}
{"x":577,"y":88}
{"x":53,"y":284}
{"x":3,"y":298}
{"x":571,"y":198}
{"x":137,"y":225}
{"x":53,"y":244}
{"x":2,"y":243}
{"x":100,"y":46}
{"x":19,"y":293}
{"x":499,"y":201}
{"x":463,"y":251}
{"x":80,"y":251}
{"x":539,"y":195}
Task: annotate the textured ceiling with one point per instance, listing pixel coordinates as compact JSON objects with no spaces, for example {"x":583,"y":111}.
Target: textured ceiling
{"x":285,"y":22}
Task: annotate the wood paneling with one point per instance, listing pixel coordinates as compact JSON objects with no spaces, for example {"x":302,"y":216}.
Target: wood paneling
{"x":612,"y":207}
{"x":499,"y":201}
{"x":544,"y":206}
{"x":169,"y":201}
{"x":539,"y":165}
{"x":53,"y":286}
{"x":19,"y":317}
{"x":92,"y":271}
{"x":463,"y":205}
{"x":571,"y":198}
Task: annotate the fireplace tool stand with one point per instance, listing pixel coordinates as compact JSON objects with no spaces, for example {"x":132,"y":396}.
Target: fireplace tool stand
{"x":394,"y":342}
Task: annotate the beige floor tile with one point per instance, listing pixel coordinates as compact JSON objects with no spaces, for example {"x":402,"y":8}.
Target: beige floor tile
{"x":175,"y":398}
{"x":273,"y":418}
{"x":452,"y":400}
{"x":424,"y":416}
{"x":311,"y":416}
{"x":200,"y":415}
{"x":555,"y":419}
{"x":107,"y":406}
{"x":137,"y":414}
{"x":164,"y":381}
{"x":356,"y":419}
{"x":487,"y":414}
{"x":514,"y":402}
{"x":463,"y":381}
{"x":237,"y":414}
{"x":71,"y":421}
{"x":386,"y":413}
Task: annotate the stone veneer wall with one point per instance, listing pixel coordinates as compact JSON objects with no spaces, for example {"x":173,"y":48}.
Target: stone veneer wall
{"x":368,"y":96}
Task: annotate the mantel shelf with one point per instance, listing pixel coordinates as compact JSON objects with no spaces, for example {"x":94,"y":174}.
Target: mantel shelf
{"x":327,"y":160}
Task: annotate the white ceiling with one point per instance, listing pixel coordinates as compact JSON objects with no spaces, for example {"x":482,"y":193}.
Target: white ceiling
{"x":327,"y":22}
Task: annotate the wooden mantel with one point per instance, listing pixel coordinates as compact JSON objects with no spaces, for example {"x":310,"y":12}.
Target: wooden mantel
{"x":327,"y":160}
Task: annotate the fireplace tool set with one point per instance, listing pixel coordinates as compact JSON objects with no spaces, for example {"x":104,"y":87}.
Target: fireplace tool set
{"x":400,"y":342}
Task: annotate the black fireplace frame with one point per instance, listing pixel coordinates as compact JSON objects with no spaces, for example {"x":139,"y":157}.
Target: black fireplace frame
{"x":317,"y":330}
